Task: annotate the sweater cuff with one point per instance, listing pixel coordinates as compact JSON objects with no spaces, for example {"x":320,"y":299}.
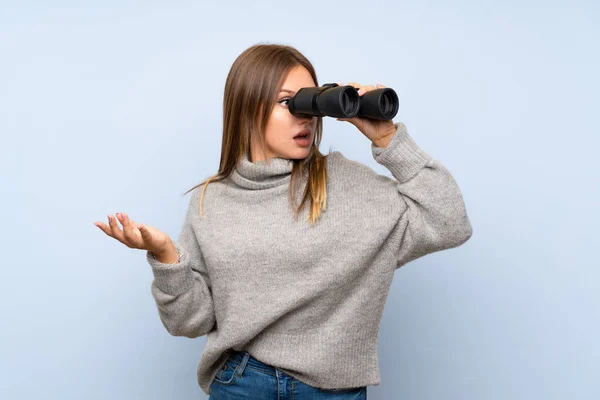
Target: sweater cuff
{"x":402,"y":156}
{"x":173,"y":279}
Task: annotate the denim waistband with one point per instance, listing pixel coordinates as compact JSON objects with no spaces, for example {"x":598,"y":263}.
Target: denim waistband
{"x":239,"y":356}
{"x":245,"y":359}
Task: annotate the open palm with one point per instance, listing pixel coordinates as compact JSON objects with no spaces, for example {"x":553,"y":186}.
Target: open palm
{"x":135,"y":235}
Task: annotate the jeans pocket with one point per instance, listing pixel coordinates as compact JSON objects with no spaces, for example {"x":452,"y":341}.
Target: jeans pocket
{"x":227,"y":375}
{"x":343,"y":390}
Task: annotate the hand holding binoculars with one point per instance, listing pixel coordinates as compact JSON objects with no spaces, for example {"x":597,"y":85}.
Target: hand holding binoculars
{"x":332,"y":100}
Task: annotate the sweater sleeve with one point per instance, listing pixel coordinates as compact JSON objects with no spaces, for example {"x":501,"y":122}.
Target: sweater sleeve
{"x":433,"y":216}
{"x":182,"y":291}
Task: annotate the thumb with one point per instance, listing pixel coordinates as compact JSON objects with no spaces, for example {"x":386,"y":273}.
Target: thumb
{"x":145,"y":233}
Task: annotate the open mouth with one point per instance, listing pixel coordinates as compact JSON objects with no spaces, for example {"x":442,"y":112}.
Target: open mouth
{"x":303,"y":139}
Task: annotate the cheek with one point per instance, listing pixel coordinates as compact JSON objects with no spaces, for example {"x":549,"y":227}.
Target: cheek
{"x":280,"y":125}
{"x":282,"y":117}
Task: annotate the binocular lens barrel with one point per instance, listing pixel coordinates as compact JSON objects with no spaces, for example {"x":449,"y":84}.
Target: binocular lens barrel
{"x":350,"y":102}
{"x":332,"y":100}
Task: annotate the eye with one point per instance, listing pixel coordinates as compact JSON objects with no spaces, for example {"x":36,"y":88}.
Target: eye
{"x":284,"y":99}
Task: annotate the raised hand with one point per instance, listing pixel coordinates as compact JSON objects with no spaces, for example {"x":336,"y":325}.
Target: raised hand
{"x":135,"y":235}
{"x":379,"y":132}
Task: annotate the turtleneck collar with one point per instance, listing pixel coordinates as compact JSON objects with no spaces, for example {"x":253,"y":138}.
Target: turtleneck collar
{"x":259,"y":175}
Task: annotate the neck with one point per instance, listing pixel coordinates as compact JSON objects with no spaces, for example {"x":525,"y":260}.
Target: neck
{"x":262,"y":174}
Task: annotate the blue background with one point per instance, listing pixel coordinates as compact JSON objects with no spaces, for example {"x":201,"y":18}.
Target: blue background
{"x":117,"y":106}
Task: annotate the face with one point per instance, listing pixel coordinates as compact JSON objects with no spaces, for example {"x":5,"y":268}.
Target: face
{"x":283,"y":126}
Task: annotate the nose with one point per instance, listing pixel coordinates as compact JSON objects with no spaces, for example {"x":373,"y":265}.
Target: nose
{"x":306,"y":120}
{"x":303,"y":118}
{"x":308,"y":124}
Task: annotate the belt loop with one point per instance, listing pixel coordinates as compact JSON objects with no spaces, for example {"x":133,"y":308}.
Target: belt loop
{"x":240,"y":368}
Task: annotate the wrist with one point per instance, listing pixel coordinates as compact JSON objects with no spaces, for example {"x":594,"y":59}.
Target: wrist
{"x":385,"y":139}
{"x":383,"y":142}
{"x":168,"y":256}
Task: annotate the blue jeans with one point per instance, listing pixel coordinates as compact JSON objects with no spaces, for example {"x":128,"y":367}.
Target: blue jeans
{"x":245,"y":377}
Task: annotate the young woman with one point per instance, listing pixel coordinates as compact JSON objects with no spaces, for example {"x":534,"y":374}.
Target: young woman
{"x":291,"y":308}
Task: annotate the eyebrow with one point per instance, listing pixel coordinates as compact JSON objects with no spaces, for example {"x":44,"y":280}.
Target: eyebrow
{"x":287,"y":90}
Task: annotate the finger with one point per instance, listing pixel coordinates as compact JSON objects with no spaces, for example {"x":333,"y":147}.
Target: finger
{"x":351,"y":120}
{"x":380,"y":85}
{"x":127,"y":225}
{"x":362,"y":89}
{"x":365,"y":89}
{"x":354,"y":84}
{"x":145,"y":233}
{"x":358,"y":86}
{"x":104,"y":228}
{"x":114,"y":228}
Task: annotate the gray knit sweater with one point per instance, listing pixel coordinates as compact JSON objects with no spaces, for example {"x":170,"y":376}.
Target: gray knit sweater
{"x":307,"y":300}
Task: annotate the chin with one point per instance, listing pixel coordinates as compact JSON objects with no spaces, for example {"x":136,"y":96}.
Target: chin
{"x":299,"y":154}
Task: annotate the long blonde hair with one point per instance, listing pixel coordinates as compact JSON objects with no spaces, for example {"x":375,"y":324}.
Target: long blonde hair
{"x":251,"y":89}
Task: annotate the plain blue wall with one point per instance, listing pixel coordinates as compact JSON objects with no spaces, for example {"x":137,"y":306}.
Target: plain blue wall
{"x":117,"y":107}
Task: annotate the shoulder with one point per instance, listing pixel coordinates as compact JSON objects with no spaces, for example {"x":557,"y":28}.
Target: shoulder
{"x":358,"y":189}
{"x":204,"y":193}
{"x":339,"y":162}
{"x":342,"y":167}
{"x":354,"y":179}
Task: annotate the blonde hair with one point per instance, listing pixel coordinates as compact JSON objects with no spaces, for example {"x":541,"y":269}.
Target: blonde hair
{"x":251,"y":89}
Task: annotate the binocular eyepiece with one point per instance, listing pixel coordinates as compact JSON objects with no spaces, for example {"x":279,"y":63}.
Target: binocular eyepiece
{"x":332,"y":100}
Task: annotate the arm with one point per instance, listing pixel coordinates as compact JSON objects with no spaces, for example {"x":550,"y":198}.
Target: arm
{"x":182,"y":289}
{"x":433,"y":216}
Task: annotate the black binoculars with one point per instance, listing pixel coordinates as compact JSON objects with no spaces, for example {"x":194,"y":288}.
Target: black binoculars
{"x":333,"y":100}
